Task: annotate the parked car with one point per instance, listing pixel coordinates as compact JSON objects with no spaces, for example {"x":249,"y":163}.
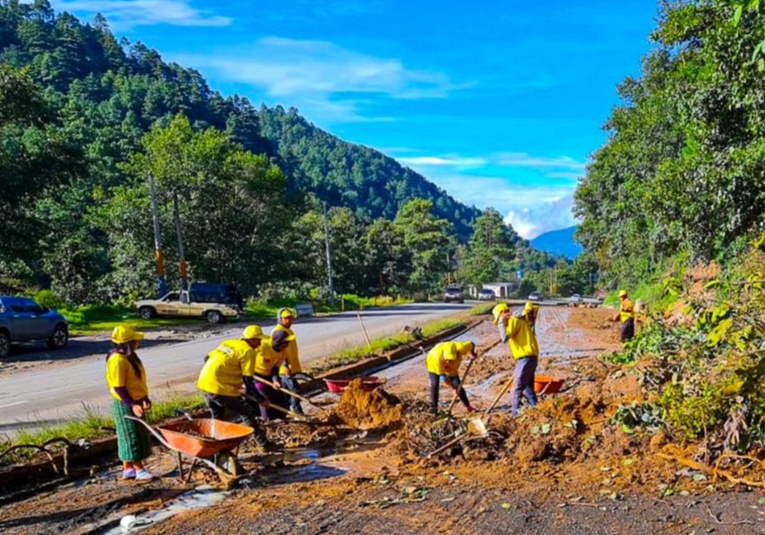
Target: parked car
{"x":208,"y":292}
{"x":24,"y":320}
{"x":454,"y":294}
{"x":535,"y":296}
{"x":486,"y":295}
{"x":576,"y":299}
{"x":182,"y":304}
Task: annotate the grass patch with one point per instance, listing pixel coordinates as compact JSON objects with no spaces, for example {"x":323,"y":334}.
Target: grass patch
{"x":89,"y":319}
{"x":480,"y":310}
{"x":380,"y":345}
{"x":94,"y":424}
{"x":267,"y":309}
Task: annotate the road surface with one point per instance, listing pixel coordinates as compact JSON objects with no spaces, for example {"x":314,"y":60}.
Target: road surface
{"x":49,"y":394}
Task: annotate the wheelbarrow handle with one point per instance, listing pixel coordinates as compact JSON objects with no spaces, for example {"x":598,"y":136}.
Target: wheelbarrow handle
{"x":286,"y":391}
{"x":153,"y":431}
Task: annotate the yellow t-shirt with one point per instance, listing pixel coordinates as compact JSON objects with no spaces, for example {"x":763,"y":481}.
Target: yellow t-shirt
{"x":445,"y":358}
{"x":119,"y":373}
{"x":290,"y":352}
{"x":627,"y":312}
{"x":267,"y":358}
{"x":521,"y":338}
{"x":226,"y":365}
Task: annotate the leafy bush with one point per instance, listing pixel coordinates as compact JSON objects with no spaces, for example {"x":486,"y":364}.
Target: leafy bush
{"x":48,"y":298}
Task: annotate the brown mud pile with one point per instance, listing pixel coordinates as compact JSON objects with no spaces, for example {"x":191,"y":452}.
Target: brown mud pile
{"x":368,"y":410}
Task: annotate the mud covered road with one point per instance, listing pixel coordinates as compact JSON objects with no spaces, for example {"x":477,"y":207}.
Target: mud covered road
{"x":560,"y":468}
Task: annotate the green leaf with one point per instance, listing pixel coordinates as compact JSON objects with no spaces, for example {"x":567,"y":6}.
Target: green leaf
{"x":545,"y":429}
{"x":506,"y":505}
{"x":737,"y":14}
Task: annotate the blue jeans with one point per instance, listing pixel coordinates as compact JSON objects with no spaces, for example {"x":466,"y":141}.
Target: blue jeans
{"x":291,"y":384}
{"x":523,"y":382}
{"x":434,"y":384}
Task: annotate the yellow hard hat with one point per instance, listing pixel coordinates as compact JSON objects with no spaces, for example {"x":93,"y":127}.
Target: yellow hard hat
{"x":623,"y":293}
{"x":285,"y":313}
{"x":497,"y":311}
{"x":122,"y":334}
{"x":253,"y":331}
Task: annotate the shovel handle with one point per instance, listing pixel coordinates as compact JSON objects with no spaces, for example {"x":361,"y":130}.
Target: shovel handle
{"x":280,"y":389}
{"x":448,"y":445}
{"x":496,"y":399}
{"x":457,"y":390}
{"x":279,"y":408}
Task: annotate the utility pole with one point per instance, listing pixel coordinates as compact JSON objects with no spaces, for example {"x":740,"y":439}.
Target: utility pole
{"x":331,"y":287}
{"x":179,"y":233}
{"x":157,"y":238}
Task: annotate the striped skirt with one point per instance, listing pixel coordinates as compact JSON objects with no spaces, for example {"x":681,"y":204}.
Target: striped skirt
{"x":132,"y":438}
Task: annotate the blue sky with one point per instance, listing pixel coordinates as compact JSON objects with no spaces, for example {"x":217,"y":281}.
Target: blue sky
{"x":498,"y":102}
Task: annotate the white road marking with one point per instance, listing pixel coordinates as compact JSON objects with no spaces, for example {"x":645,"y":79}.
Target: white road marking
{"x":13,"y":404}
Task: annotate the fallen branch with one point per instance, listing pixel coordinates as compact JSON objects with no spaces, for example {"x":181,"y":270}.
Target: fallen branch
{"x":715,"y":473}
{"x":720,"y":522}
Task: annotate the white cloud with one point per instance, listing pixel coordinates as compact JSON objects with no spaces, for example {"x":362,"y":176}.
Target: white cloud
{"x":313,"y":75}
{"x":521,"y":159}
{"x":129,"y":13}
{"x":449,"y":161}
{"x":553,"y":215}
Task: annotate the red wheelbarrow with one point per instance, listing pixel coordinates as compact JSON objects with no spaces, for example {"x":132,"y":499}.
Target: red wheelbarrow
{"x":203,"y":440}
{"x":367,"y":383}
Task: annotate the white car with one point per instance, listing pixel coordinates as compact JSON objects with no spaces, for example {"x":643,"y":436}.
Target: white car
{"x":577,"y":299}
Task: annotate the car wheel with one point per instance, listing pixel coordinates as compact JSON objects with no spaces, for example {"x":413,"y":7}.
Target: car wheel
{"x":147,"y":313}
{"x":60,"y":337}
{"x":5,"y":345}
{"x":213,"y":316}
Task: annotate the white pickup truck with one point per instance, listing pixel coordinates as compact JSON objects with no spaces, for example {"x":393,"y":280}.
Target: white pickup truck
{"x":179,"y":304}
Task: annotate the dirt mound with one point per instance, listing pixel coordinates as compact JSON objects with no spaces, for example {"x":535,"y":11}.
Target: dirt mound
{"x":368,"y":410}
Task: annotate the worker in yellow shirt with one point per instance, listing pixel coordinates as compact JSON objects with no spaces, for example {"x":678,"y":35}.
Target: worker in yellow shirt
{"x":519,"y":334}
{"x":270,"y":357}
{"x":626,"y":316}
{"x":443,"y":363}
{"x":227,"y":369}
{"x":283,"y":336}
{"x":126,"y":378}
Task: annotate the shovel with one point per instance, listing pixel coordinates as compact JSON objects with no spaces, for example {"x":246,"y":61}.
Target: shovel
{"x":475,"y":427}
{"x":296,"y":416}
{"x":288,"y":392}
{"x":496,"y":399}
{"x":457,"y":390}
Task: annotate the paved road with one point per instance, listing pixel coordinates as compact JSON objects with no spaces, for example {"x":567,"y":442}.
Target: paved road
{"x":49,"y":394}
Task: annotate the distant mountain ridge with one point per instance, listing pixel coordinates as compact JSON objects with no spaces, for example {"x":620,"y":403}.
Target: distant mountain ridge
{"x":559,"y":242}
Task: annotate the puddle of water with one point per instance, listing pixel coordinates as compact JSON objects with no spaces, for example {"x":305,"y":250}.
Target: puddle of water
{"x":203,"y":496}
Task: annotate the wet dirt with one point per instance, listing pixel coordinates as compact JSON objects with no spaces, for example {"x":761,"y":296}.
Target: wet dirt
{"x":368,"y":410}
{"x":558,"y":468}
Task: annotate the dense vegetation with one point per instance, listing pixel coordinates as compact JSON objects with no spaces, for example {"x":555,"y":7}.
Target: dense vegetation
{"x":84,"y":120}
{"x":681,"y":177}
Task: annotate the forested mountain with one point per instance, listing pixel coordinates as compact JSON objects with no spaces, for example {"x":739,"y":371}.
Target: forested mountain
{"x":84,"y":117}
{"x":681,"y":178}
{"x":558,"y":242}
{"x":357,"y":177}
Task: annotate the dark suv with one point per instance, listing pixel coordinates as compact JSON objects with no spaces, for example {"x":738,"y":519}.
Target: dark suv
{"x":23,"y":320}
{"x":454,"y":294}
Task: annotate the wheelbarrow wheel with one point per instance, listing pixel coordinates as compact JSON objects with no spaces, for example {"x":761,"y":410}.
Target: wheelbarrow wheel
{"x":228,"y":462}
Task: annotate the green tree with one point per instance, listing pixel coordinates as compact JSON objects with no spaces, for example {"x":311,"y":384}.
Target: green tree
{"x":429,"y":240}
{"x":490,"y":247}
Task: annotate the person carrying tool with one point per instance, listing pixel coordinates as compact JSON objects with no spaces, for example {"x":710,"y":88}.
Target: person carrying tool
{"x":496,"y":312}
{"x":520,"y":336}
{"x":227,"y":368}
{"x":626,"y":316}
{"x":283,"y":336}
{"x":443,"y":362}
{"x":270,"y":357}
{"x":126,"y":378}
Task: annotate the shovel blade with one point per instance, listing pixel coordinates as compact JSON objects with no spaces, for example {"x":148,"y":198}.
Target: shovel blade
{"x":477,"y":428}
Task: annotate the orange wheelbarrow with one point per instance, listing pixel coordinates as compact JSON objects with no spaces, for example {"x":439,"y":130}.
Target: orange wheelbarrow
{"x":206,"y":441}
